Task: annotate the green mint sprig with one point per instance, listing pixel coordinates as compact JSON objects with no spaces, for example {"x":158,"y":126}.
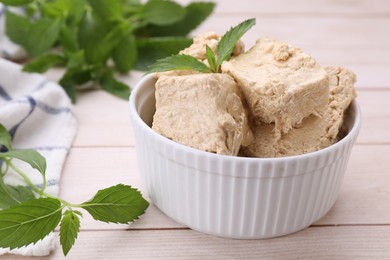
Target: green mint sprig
{"x":29,"y":213}
{"x":93,"y":39}
{"x":225,"y":49}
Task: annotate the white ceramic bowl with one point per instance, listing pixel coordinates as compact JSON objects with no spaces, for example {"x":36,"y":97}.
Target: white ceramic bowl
{"x":237,"y":197}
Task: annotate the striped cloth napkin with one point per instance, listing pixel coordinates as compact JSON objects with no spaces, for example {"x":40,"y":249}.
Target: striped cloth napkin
{"x":38,"y":115}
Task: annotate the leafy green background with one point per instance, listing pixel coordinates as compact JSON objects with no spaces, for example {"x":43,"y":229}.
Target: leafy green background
{"x":94,"y":39}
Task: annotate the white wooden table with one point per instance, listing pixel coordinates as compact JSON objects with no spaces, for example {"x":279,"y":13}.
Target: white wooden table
{"x":350,"y":33}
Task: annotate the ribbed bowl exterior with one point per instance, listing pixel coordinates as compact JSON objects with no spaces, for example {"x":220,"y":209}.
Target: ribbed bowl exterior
{"x":236,"y":197}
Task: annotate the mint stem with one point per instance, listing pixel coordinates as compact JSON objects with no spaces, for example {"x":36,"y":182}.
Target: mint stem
{"x":26,"y":178}
{"x":5,"y":170}
{"x":41,"y":192}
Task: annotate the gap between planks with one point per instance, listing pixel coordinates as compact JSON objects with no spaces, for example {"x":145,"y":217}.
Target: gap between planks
{"x":187,"y":228}
{"x":307,"y":15}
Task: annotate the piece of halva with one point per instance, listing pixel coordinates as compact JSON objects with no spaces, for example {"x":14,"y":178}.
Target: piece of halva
{"x":203,"y":111}
{"x":315,"y":131}
{"x":281,"y":84}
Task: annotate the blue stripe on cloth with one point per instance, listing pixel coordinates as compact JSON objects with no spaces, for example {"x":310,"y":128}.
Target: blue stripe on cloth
{"x":44,"y":148}
{"x":13,"y":129}
{"x":47,"y":108}
{"x":51,"y":182}
{"x":52,"y":110}
{"x":41,"y":85}
{"x":4,"y":94}
{"x":5,"y":54}
{"x":49,"y":148}
{"x":41,"y":105}
{"x":44,"y":107}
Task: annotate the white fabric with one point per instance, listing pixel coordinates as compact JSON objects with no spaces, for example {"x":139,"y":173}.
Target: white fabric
{"x":38,"y":115}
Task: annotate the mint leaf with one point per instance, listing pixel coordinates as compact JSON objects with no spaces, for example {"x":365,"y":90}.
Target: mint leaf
{"x":113,"y":86}
{"x":33,"y":158}
{"x":155,"y":48}
{"x":17,"y":27}
{"x":74,"y":77}
{"x":211,"y":59}
{"x":68,"y":38}
{"x":125,"y":54}
{"x":28,"y":222}
{"x":229,"y":39}
{"x":12,"y":195}
{"x":179,"y":62}
{"x":90,"y":34}
{"x":98,"y":38}
{"x":91,"y":31}
{"x":224,"y":50}
{"x":117,"y":204}
{"x":75,"y":59}
{"x":44,"y":62}
{"x":115,"y":35}
{"x":16,"y":2}
{"x":196,"y":13}
{"x":69,"y":229}
{"x":162,"y":12}
{"x":107,"y":9}
{"x":5,"y":137}
{"x":133,"y":2}
{"x":64,"y":8}
{"x":70,"y":12}
{"x":42,"y":36}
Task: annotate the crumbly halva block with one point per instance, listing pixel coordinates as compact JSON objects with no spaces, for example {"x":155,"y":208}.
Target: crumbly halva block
{"x":315,"y":132}
{"x":281,"y":84}
{"x":203,"y":111}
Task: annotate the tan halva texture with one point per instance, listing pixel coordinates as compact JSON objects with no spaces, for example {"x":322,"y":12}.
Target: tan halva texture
{"x":273,"y":100}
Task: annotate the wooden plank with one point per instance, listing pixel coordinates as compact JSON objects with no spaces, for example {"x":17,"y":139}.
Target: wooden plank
{"x":302,"y":7}
{"x":375,"y":116}
{"x":89,"y":169}
{"x":356,"y":242}
{"x":346,"y":56}
{"x":103,"y":120}
{"x":313,"y":30}
{"x":363,"y":198}
{"x":369,"y":75}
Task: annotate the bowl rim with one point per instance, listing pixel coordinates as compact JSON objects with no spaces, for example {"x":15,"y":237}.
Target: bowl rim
{"x":143,"y":83}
